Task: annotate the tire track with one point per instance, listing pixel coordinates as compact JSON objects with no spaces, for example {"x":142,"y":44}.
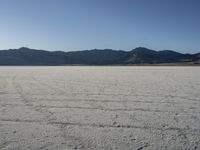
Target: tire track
{"x":100,"y":108}
{"x":47,"y":115}
{"x":5,"y":144}
{"x":44,"y":84}
{"x":117,"y":101}
{"x":65,"y":124}
{"x":137,"y":95}
{"x":51,"y":117}
{"x":19,"y":90}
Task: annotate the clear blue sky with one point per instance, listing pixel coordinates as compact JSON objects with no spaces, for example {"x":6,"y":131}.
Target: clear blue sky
{"x":87,"y":24}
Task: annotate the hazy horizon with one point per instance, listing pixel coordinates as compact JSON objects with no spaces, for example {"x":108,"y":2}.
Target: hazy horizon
{"x":188,"y":52}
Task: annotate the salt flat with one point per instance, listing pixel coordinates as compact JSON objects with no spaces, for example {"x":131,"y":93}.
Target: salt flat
{"x":109,"y":108}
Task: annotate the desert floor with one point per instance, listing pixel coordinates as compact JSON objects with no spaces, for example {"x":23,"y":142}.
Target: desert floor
{"x":104,"y":108}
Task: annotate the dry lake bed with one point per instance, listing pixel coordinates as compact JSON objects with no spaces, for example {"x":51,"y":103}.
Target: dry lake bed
{"x":103,"y":108}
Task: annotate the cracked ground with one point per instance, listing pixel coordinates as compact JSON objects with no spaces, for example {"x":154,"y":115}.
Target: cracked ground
{"x":103,"y":108}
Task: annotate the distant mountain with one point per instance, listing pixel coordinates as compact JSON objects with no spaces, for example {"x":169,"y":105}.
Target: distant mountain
{"x":144,"y":55}
{"x":139,"y":55}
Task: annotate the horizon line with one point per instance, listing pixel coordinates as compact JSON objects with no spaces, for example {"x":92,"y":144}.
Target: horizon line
{"x":101,"y":49}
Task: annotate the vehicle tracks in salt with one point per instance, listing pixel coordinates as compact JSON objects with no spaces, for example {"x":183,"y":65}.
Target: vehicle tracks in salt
{"x":65,"y":124}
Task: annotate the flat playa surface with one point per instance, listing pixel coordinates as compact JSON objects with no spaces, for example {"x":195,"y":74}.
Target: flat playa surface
{"x":104,"y":108}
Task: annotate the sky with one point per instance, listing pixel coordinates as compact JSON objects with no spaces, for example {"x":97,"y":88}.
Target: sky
{"x":87,"y":24}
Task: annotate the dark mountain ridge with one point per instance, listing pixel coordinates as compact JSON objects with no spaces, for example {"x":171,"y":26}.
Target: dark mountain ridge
{"x":139,"y":55}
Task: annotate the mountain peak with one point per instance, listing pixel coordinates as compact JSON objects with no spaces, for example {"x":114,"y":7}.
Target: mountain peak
{"x":142,"y":49}
{"x":139,"y":48}
{"x":23,"y":48}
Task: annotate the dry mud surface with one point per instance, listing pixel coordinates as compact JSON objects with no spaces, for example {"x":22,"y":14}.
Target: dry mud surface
{"x":104,"y":108}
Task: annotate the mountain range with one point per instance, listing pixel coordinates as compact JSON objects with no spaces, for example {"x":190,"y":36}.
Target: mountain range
{"x":137,"y":56}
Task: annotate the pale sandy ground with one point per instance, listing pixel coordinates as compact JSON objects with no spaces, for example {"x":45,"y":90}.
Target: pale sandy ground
{"x":104,"y":108}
